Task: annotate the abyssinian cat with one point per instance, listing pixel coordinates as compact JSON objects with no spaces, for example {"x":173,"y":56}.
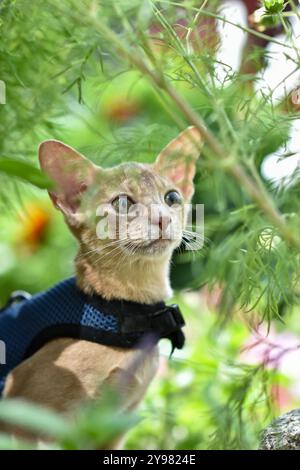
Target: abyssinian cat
{"x":131,"y":266}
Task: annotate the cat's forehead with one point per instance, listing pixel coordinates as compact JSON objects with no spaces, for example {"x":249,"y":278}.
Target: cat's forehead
{"x":139,"y":173}
{"x":135,"y":176}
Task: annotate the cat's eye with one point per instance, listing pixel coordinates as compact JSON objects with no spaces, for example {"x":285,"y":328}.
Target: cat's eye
{"x":172,"y":198}
{"x":122,"y":204}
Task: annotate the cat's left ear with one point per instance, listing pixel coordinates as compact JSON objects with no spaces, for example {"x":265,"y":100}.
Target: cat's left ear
{"x":70,"y":172}
{"x":177,"y":161}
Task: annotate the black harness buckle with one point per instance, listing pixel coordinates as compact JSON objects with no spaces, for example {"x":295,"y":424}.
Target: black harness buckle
{"x":165,"y":323}
{"x":172,"y":315}
{"x":170,"y":326}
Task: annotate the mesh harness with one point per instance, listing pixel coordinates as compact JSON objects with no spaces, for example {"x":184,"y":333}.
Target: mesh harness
{"x":28,"y":323}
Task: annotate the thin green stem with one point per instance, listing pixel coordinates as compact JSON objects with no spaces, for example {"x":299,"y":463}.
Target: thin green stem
{"x":257,"y":194}
{"x":225,"y":20}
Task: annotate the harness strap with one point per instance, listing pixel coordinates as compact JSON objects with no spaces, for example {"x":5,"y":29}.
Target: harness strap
{"x":16,"y":296}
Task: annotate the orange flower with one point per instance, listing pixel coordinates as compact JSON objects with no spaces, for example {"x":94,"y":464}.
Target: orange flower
{"x":35,"y":221}
{"x":121,"y":110}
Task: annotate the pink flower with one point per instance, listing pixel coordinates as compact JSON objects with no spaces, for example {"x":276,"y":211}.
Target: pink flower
{"x":274,"y":350}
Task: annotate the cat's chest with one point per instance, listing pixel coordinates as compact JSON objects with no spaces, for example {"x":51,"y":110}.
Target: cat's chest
{"x":77,"y":370}
{"x":127,"y":372}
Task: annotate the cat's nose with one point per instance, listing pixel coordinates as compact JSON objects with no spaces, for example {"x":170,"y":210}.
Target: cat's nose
{"x":163,"y":221}
{"x":160,"y":217}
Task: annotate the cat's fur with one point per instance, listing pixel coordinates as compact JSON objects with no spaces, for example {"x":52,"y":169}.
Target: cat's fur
{"x":66,"y":372}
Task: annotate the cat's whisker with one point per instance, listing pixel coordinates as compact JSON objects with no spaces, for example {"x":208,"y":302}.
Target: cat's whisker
{"x":192,"y":233}
{"x":101,"y":251}
{"x":196,"y":243}
{"x":97,"y":249}
{"x":122,"y":243}
{"x":192,"y":247}
{"x":194,"y":237}
{"x":112,"y":253}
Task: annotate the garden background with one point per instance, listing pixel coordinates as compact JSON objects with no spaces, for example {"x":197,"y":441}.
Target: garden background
{"x":117,"y":80}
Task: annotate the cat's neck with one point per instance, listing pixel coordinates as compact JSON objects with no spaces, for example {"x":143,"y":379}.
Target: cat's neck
{"x":144,"y":281}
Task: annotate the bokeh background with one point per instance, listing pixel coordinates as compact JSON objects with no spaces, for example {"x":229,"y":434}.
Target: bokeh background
{"x":240,"y":365}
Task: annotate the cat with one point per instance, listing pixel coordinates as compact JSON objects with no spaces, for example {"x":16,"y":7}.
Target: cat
{"x":67,"y":372}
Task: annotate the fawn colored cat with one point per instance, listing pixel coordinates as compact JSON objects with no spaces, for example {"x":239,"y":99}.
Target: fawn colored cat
{"x":128,"y":264}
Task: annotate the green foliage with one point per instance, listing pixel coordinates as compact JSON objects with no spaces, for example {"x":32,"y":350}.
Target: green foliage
{"x":273,"y":6}
{"x":105,"y":77}
{"x":80,"y":433}
{"x":23,"y":170}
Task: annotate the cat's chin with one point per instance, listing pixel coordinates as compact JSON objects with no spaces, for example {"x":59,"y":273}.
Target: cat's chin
{"x":154,"y":248}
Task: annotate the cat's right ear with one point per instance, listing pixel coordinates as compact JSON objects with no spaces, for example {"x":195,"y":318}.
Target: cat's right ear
{"x":177,"y":161}
{"x":70,"y":172}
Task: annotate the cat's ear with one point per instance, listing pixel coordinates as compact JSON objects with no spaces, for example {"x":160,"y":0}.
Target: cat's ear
{"x":70,"y":172}
{"x":177,"y":161}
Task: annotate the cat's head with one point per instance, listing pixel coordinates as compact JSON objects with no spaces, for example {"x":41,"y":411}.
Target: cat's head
{"x":137,"y":209}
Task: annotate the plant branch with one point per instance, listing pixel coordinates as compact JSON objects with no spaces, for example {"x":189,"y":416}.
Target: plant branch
{"x":209,"y":14}
{"x":256,"y":193}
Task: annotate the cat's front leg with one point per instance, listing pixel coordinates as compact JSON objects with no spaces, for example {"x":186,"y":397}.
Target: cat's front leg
{"x":67,"y":373}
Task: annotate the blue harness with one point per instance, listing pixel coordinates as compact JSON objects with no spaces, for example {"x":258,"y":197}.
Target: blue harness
{"x":66,"y":311}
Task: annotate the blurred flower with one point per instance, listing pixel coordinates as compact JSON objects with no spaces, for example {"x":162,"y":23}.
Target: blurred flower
{"x":273,"y":350}
{"x":34,"y":223}
{"x":282,"y":396}
{"x":212,"y":298}
{"x":121,"y":109}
